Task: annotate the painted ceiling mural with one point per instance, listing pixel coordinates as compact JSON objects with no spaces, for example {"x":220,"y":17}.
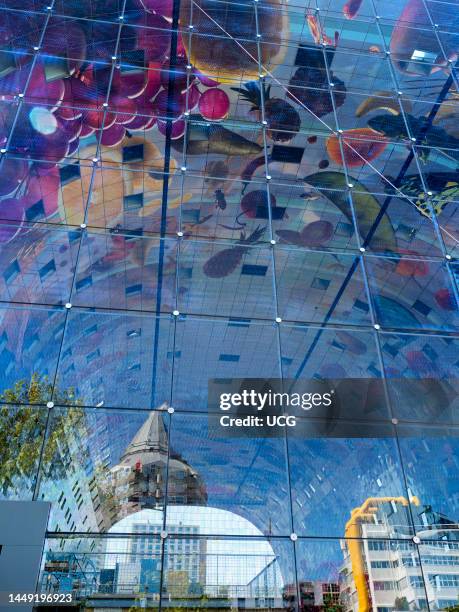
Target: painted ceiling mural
{"x":142,"y":172}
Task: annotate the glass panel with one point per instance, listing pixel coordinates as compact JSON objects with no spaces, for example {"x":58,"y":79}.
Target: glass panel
{"x":430,"y":456}
{"x":210,"y":273}
{"x":30,"y":340}
{"x":318,"y":277}
{"x":331,"y":477}
{"x":315,"y":353}
{"x":206,"y":349}
{"x":37,"y":263}
{"x":96,"y":571}
{"x":126,"y":272}
{"x":403,"y":229}
{"x":407,"y":293}
{"x":217,"y":204}
{"x":352,"y":574}
{"x":111,"y":347}
{"x":431,"y":364}
{"x":237,"y":573}
{"x":314,"y":217}
{"x":245,"y":479}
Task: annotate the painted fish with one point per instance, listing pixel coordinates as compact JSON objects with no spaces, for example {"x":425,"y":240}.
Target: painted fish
{"x":444,"y":187}
{"x":205,"y":138}
{"x":426,"y":134}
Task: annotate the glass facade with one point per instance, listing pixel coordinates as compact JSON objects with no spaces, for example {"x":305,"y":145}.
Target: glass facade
{"x":201,"y":189}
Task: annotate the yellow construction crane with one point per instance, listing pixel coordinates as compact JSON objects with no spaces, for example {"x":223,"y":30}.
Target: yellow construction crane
{"x":364,"y":514}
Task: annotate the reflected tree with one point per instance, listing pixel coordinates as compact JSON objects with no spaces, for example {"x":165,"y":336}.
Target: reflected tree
{"x":331,"y":605}
{"x":401,"y":603}
{"x":22,"y":429}
{"x":454,"y":608}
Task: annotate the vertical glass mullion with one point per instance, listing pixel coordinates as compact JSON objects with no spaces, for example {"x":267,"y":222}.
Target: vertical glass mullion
{"x":387,"y":396}
{"x":261,"y":84}
{"x":174,"y":36}
{"x":341,"y":148}
{"x":423,"y":574}
{"x":261,"y":72}
{"x":268,"y":178}
{"x":265,"y":152}
{"x":189,"y":35}
{"x":164,"y":534}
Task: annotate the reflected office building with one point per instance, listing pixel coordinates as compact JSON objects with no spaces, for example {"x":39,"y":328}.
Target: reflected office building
{"x":215,"y":190}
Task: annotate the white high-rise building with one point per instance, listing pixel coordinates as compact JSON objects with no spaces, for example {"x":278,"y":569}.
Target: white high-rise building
{"x":184,"y":551}
{"x":382,"y":573}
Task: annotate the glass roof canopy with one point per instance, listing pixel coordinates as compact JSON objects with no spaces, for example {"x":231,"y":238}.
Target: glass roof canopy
{"x":204,"y":189}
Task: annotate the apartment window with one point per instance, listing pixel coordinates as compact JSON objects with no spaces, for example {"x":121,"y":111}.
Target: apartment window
{"x":412,"y":561}
{"x":444,"y":580}
{"x":377,"y":545}
{"x":384,"y":585}
{"x":441,"y":560}
{"x":378,"y":564}
{"x":446,"y":603}
{"x":443,"y":545}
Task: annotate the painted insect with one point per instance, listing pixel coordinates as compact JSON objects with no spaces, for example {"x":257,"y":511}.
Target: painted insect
{"x":220,"y":200}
